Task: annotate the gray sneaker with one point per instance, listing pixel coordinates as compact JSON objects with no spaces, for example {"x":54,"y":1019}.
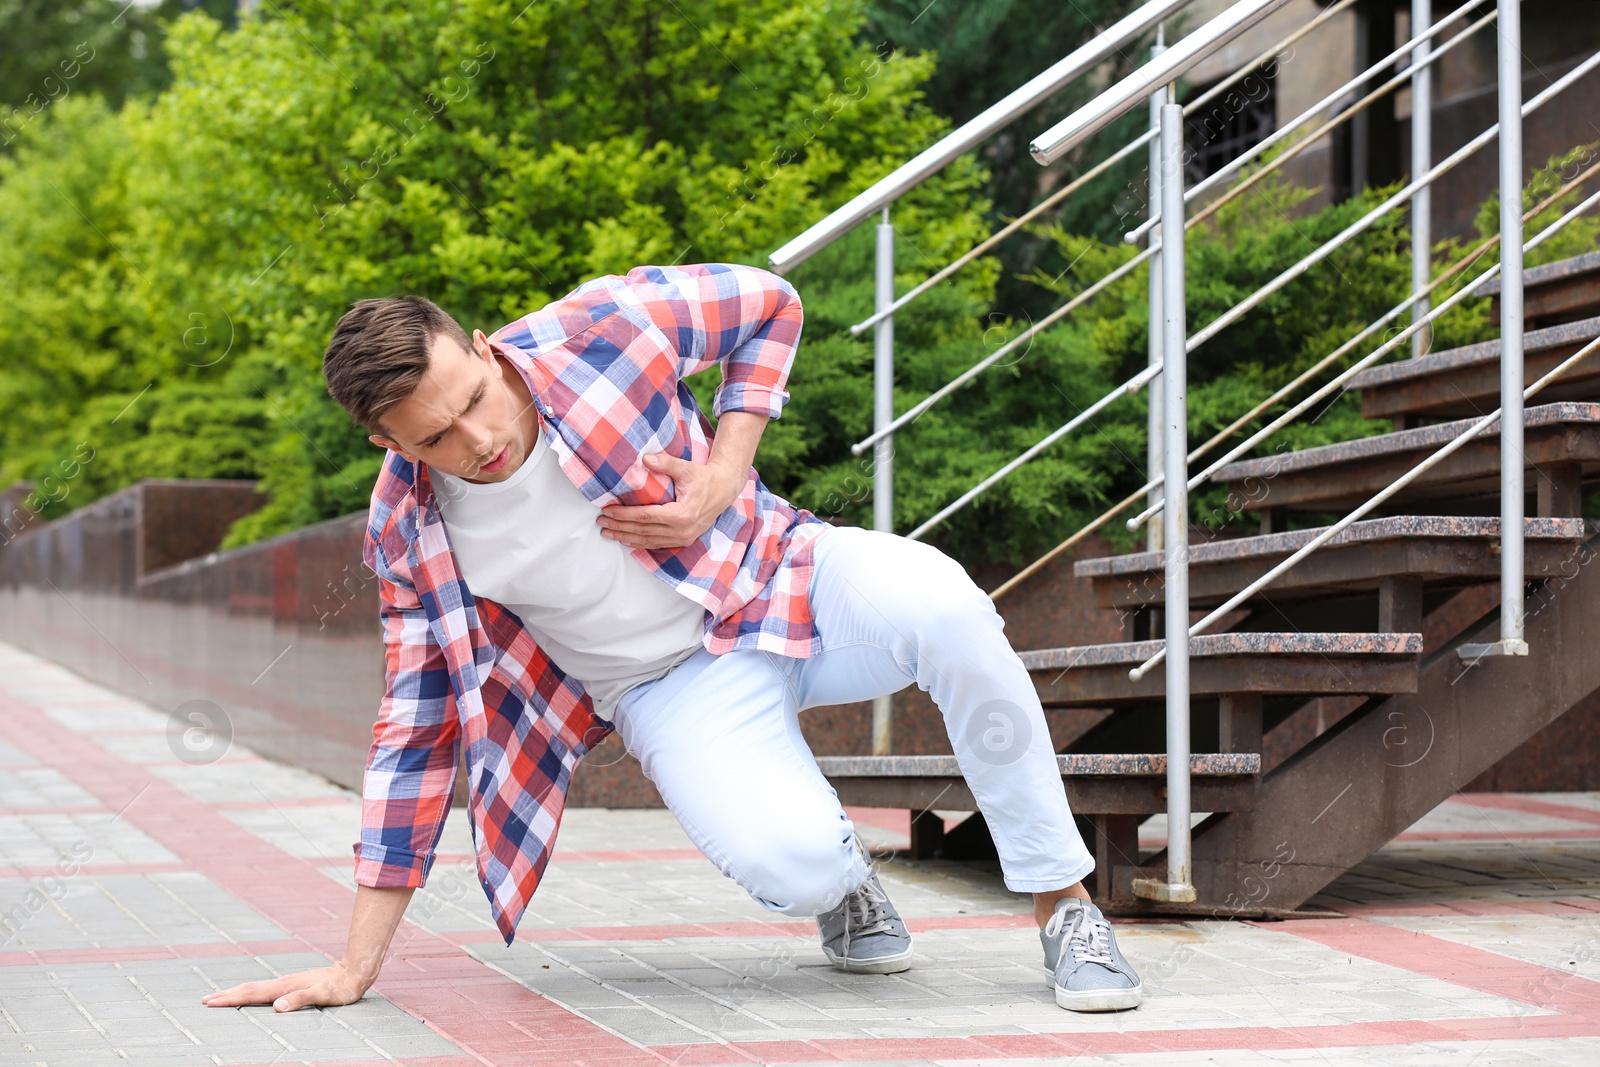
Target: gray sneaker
{"x":864,"y":934}
{"x":1083,"y":963}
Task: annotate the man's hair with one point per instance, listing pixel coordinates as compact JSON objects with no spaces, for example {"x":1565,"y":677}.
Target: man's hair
{"x":379,"y":353}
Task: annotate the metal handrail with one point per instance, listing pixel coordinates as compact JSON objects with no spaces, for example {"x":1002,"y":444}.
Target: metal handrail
{"x":1136,"y":88}
{"x":1433,"y":315}
{"x":1384,"y":494}
{"x":1125,"y":269}
{"x":1228,"y":317}
{"x":969,"y":134}
{"x":1088,"y":294}
{"x":1093,"y":290}
{"x":1098,"y":169}
{"x":1270,"y":166}
{"x":1284,"y":391}
{"x":1236,"y":312}
{"x":1234,"y":165}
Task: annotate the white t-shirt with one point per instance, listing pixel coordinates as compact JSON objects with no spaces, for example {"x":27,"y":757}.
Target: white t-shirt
{"x":530,"y":543}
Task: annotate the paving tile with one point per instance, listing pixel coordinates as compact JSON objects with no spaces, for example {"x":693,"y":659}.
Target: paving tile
{"x":168,"y":924}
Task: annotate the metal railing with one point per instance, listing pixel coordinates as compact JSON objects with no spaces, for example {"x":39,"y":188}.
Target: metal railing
{"x":1154,"y":85}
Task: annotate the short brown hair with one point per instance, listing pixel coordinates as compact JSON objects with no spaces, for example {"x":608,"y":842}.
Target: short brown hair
{"x":379,"y":353}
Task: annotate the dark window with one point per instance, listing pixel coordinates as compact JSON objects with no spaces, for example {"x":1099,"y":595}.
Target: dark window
{"x":1235,"y":120}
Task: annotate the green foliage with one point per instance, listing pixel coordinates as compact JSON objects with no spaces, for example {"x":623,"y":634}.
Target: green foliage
{"x":1246,"y":244}
{"x":1470,"y":323}
{"x":58,"y":47}
{"x":486,"y":154}
{"x":176,"y":267}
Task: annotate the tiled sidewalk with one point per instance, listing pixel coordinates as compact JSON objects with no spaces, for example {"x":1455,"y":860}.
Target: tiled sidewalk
{"x":132,"y":882}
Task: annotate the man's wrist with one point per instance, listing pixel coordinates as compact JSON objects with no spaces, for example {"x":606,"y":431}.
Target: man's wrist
{"x":360,"y":973}
{"x":730,"y":477}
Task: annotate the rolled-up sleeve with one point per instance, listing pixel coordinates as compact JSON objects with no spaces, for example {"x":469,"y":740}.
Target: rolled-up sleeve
{"x":744,"y":319}
{"x":411,"y":767}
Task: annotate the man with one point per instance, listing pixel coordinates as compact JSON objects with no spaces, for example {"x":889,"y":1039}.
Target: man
{"x":564,"y":547}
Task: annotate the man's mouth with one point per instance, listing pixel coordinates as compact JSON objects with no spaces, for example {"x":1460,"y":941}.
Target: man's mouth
{"x":497,"y":462}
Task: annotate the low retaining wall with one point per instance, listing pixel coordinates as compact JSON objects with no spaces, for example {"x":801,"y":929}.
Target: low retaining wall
{"x":278,"y":643}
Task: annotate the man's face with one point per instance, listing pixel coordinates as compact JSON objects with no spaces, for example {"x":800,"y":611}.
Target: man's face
{"x":470,"y":415}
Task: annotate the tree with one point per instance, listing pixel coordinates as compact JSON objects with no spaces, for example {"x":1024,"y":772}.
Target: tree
{"x":107,"y":47}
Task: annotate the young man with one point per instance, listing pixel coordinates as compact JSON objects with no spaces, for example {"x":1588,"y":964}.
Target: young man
{"x":563,"y":548}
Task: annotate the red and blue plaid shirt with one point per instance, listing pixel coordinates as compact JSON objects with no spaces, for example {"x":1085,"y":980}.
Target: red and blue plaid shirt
{"x":606,"y":366}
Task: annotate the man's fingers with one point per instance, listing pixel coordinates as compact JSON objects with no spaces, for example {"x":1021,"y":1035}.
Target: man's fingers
{"x":666,"y":541}
{"x":641,"y":512}
{"x":246,"y":993}
{"x":643,"y":528}
{"x":296,"y":999}
{"x":671,"y":466}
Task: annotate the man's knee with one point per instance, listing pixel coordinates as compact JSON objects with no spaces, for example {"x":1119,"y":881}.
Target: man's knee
{"x":804,"y":870}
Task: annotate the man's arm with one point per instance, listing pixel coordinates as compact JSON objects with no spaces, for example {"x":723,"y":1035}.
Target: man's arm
{"x":746,"y":321}
{"x":373,"y":922}
{"x":409,"y":783}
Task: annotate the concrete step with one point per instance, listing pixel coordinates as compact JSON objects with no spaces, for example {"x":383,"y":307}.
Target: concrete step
{"x":1557,"y":292}
{"x":1465,"y":382}
{"x":1561,"y":446}
{"x":1096,"y":784}
{"x":1429,"y":551}
{"x":1231,"y":664}
{"x":1359,"y":785}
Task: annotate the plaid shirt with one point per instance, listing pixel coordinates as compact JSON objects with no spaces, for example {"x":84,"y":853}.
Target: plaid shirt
{"x":606,"y":365}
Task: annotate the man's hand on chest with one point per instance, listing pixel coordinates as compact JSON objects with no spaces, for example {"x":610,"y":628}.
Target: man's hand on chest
{"x":701,"y":491}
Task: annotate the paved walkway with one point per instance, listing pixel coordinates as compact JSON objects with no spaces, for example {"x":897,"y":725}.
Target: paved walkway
{"x":133,"y":881}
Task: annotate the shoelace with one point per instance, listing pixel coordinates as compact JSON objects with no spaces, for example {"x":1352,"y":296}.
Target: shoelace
{"x":864,"y":909}
{"x":1089,"y":940}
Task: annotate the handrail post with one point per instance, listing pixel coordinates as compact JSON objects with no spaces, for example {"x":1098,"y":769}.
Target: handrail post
{"x":1153,"y":453}
{"x":1178,"y":886}
{"x":883,"y":450}
{"x":1511,"y":491}
{"x":1512,"y":642}
{"x":1421,"y":163}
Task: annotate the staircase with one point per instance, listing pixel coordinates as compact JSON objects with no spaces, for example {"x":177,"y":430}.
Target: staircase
{"x":1372,"y":595}
{"x":1375,"y":617}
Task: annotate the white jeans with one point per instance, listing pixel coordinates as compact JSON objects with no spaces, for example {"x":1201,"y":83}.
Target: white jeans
{"x":720,"y":735}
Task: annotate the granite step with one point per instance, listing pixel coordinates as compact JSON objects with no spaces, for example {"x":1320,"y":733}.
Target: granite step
{"x":1554,"y":293}
{"x":1438,"y":551}
{"x":1465,"y":382}
{"x":1561,"y":447}
{"x":1228,"y":664}
{"x":1131,"y":783}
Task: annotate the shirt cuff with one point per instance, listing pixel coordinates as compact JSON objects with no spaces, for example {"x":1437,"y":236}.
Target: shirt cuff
{"x":381,"y":867}
{"x":748,"y":396}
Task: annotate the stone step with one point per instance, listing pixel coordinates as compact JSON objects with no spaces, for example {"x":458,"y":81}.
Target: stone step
{"x":1435,"y":551}
{"x":1465,"y":382}
{"x":1230,"y":664}
{"x":1561,"y":446}
{"x":1131,"y":783}
{"x":1554,"y":293}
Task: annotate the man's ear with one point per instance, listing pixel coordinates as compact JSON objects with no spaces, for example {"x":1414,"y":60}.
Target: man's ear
{"x":383,"y":441}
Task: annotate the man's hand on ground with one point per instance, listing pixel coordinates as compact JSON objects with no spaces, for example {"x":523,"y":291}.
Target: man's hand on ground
{"x":324,"y":986}
{"x":702,"y":491}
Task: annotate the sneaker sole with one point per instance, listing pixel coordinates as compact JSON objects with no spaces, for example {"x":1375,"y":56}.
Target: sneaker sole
{"x":877,"y":965}
{"x":1100,"y":999}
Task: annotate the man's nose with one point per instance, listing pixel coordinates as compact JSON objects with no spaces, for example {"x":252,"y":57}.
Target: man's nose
{"x":478,"y":438}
